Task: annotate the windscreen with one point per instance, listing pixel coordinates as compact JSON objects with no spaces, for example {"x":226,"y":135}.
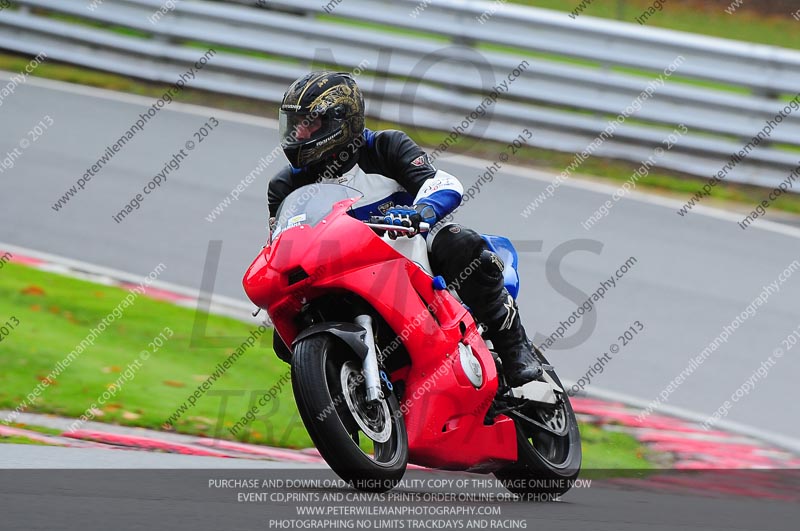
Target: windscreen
{"x":308,"y":205}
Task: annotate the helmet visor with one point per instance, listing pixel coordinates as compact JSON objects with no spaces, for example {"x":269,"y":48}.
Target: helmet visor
{"x":302,"y":127}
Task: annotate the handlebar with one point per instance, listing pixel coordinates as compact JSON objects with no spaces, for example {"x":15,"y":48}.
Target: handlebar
{"x":377,"y":223}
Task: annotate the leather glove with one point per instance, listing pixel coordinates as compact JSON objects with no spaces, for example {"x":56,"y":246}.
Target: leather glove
{"x":410,"y":216}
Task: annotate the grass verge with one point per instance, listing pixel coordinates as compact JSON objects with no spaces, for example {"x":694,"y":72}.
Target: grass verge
{"x":55,"y":312}
{"x":702,"y":17}
{"x":611,"y":450}
{"x":14,"y":439}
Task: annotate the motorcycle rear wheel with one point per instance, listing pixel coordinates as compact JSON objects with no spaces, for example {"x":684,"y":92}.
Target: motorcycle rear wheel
{"x":547,"y":464}
{"x":365,"y":445}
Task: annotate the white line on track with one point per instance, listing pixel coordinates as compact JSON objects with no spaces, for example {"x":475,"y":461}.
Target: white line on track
{"x":602,"y":188}
{"x":146,"y":101}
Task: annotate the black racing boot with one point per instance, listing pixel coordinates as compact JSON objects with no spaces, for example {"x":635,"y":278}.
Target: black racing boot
{"x":520,"y":366}
{"x":494,"y":306}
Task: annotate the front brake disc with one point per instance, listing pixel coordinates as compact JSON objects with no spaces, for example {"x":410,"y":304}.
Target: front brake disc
{"x":373,"y":419}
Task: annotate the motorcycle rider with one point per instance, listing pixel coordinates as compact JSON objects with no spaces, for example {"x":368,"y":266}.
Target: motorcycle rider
{"x":323,"y":136}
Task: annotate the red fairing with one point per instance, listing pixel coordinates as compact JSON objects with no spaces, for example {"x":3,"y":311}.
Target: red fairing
{"x":443,"y":411}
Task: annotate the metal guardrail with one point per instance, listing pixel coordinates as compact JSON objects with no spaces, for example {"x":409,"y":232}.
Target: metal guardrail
{"x":578,"y":73}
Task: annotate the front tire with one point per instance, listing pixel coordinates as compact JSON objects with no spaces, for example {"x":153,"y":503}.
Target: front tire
{"x":547,"y":464}
{"x":365,"y":445}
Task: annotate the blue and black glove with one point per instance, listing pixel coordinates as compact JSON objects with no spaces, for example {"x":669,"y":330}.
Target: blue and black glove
{"x":410,"y":216}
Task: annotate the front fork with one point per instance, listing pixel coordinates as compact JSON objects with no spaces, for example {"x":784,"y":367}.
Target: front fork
{"x":372,"y":375}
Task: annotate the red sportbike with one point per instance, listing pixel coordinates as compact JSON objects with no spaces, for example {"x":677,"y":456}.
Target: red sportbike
{"x":389,"y":367}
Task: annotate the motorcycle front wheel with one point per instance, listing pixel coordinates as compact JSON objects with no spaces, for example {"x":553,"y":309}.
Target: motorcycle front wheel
{"x":365,"y":444}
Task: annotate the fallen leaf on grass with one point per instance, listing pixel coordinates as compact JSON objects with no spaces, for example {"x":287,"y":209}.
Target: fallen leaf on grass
{"x":127,"y":415}
{"x":46,"y":380}
{"x":113,"y":368}
{"x":173,"y":383}
{"x":33,"y":290}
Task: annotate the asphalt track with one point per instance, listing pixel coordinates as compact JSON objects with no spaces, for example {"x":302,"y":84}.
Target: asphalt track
{"x":693,"y":274}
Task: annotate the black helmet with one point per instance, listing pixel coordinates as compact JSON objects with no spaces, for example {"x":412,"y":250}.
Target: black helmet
{"x":321,"y":114}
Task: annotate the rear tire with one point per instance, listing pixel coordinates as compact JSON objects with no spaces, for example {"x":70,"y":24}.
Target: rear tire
{"x":547,"y":464}
{"x":319,"y":365}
